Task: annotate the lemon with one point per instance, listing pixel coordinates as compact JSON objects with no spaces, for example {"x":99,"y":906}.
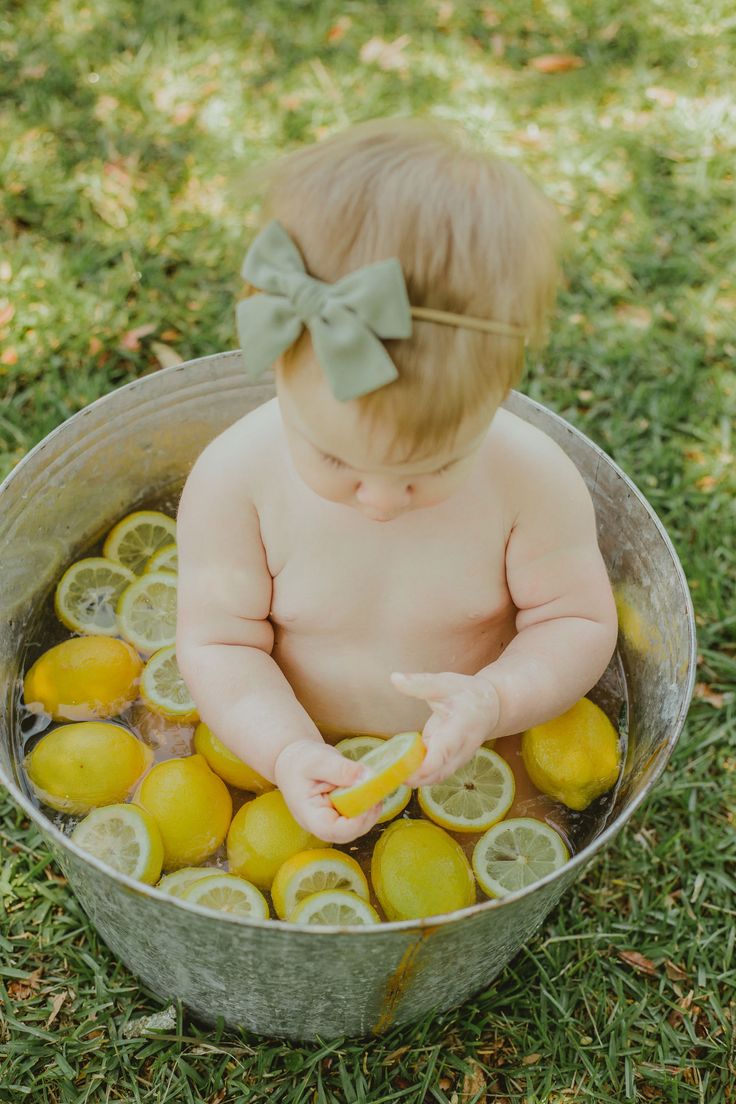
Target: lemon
{"x":476,"y":796}
{"x":136,"y":537}
{"x":166,"y":559}
{"x":163,"y":689}
{"x":334,"y":906}
{"x":227,"y":893}
{"x":575,"y":757}
{"x":87,"y":595}
{"x":418,"y":870}
{"x":78,"y":767}
{"x":225,"y":763}
{"x":311,"y":872}
{"x":355,"y":748}
{"x":262,"y":836}
{"x":146,"y":612}
{"x":191,"y":806}
{"x":83,"y":679}
{"x":516,"y":853}
{"x":126,"y":838}
{"x":175,"y":883}
{"x":388,"y":765}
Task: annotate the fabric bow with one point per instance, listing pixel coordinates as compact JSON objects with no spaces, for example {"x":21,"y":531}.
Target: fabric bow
{"x":345,"y":320}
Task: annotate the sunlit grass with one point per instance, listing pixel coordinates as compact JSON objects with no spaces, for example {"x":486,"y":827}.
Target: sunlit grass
{"x":125,"y":130}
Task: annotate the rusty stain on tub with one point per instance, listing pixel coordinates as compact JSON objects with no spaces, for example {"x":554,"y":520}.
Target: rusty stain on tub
{"x":401,"y":979}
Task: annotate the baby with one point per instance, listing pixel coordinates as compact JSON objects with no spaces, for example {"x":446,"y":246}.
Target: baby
{"x":382,"y":547}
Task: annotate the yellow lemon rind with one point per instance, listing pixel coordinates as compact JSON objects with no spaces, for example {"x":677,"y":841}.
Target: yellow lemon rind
{"x":121,"y":532}
{"x":401,"y":761}
{"x":135,"y":820}
{"x":333,"y":868}
{"x":197,"y":893}
{"x":186,"y":712}
{"x":309,"y":908}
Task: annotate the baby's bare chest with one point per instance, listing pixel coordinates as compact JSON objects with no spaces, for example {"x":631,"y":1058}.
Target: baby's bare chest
{"x":336,"y":575}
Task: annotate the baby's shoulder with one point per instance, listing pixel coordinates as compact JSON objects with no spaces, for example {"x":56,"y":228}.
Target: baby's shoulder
{"x":244,"y":455}
{"x":533,"y":465}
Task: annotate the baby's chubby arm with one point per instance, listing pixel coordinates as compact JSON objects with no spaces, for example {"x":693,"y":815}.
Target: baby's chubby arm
{"x":224,"y":641}
{"x":566,"y":621}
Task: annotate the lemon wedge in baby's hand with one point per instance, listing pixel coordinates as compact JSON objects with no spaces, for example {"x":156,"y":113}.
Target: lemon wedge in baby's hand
{"x":388,"y":767}
{"x":575,"y":757}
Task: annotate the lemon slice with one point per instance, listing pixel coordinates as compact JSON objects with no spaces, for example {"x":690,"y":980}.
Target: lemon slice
{"x":164,"y":690}
{"x":125,"y":838}
{"x":174,"y":884}
{"x":356,"y":748}
{"x":147,"y":612}
{"x":310,"y":872}
{"x":389,"y":766}
{"x":136,"y":537}
{"x":476,"y":796}
{"x":227,"y":893}
{"x":515,"y":854}
{"x":166,"y":559}
{"x":334,"y":906}
{"x":88,"y":593}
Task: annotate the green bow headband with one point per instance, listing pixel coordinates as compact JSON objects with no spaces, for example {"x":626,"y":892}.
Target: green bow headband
{"x":346,"y":320}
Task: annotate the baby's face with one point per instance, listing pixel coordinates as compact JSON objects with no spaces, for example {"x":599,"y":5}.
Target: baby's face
{"x":338,"y":460}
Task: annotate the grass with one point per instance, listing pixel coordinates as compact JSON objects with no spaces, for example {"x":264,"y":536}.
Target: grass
{"x":125,"y":128}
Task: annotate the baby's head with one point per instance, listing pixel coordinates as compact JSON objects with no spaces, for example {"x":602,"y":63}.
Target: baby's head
{"x":474,"y":237}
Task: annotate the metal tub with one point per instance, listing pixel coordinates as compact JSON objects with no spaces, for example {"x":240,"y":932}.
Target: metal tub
{"x":283,"y":979}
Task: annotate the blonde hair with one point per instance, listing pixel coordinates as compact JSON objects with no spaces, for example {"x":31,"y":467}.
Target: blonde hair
{"x":472,"y":234}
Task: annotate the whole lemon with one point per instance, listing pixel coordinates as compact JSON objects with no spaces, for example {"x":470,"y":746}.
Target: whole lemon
{"x":79,"y":767}
{"x":575,"y":757}
{"x":191,"y":806}
{"x":223,"y":762}
{"x":419,"y":870}
{"x":83,"y":679}
{"x":262,"y":836}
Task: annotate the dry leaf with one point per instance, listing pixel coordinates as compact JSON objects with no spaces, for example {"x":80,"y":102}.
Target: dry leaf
{"x":23,"y":988}
{"x":7,"y":310}
{"x":56,"y":1003}
{"x":665,"y":97}
{"x":386,"y":55}
{"x":474,"y":1083}
{"x":556,"y":63}
{"x":704,"y":693}
{"x":674,"y":973}
{"x":339,"y":29}
{"x":706,"y":483}
{"x":165,"y":355}
{"x":531,"y":1059}
{"x":641,"y":964}
{"x":10,"y":357}
{"x":131,"y":339}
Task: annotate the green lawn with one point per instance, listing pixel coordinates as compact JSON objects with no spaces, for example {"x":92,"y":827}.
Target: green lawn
{"x":125,"y":129}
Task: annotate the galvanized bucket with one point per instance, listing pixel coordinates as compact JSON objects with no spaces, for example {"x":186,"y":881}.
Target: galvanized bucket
{"x":283,"y":979}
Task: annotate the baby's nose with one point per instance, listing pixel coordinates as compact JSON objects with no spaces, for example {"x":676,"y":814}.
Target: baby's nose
{"x":383,"y":498}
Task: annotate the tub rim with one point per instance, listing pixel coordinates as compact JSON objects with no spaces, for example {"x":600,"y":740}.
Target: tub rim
{"x":516,"y":401}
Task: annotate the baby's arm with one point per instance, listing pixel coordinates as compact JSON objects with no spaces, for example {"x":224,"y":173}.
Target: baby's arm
{"x":566,"y":621}
{"x":224,"y":641}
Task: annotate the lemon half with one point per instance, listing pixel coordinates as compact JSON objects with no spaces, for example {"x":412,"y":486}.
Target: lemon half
{"x":137,"y":536}
{"x":125,"y":838}
{"x":227,"y":893}
{"x":146,"y":611}
{"x":87,"y":594}
{"x":356,"y":748}
{"x":515,"y":854}
{"x":334,"y":906}
{"x":164,"y":690}
{"x":311,"y":872}
{"x":388,"y":766}
{"x":476,"y":796}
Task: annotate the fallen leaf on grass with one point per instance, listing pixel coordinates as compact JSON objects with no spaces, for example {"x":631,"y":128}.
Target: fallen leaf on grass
{"x":56,"y":1003}
{"x":531,"y":1059}
{"x":165,"y":355}
{"x":386,"y":55}
{"x":641,"y":964}
{"x":555,"y":63}
{"x":23,"y":988}
{"x":474,"y":1085}
{"x":638,"y":317}
{"x":674,"y":973}
{"x":704,"y":693}
{"x":339,"y":29}
{"x":158,"y":1021}
{"x":131,"y":339}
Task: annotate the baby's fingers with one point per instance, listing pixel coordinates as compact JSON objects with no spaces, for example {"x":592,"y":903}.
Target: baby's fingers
{"x":440,"y":761}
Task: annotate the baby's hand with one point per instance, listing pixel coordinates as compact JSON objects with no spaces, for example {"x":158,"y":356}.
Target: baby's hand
{"x":465,"y":711}
{"x":306,"y":771}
